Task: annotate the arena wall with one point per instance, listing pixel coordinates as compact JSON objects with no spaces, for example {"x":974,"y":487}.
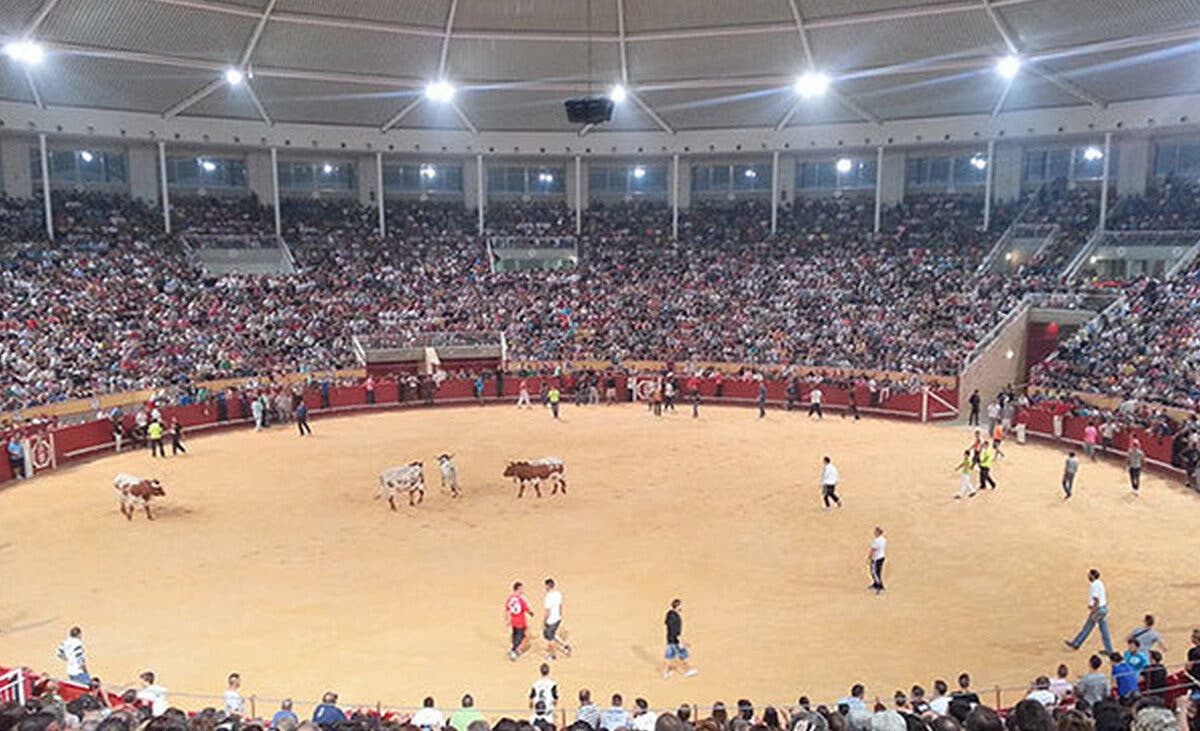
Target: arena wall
{"x":999,"y":364}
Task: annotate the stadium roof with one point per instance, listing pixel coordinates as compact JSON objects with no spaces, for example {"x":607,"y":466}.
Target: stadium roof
{"x":687,"y":64}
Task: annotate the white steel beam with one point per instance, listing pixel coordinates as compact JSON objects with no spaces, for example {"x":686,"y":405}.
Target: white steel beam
{"x":446,"y":38}
{"x":261,"y":25}
{"x":849,"y":103}
{"x":1003,"y":98}
{"x":621,"y":41}
{"x":39,"y":17}
{"x":33,"y":89}
{"x":462,"y":117}
{"x":787,"y":118}
{"x":194,"y":98}
{"x":651,"y":113}
{"x":400,"y":115}
{"x":275,"y":192}
{"x":798,"y":19}
{"x":379,"y":194}
{"x":163,"y":190}
{"x":262,"y":111}
{"x":47,"y":204}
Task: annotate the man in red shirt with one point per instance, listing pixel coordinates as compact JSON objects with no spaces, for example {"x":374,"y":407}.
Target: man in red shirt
{"x":516,"y":611}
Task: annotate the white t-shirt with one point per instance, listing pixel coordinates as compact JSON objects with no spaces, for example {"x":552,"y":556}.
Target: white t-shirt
{"x":156,"y":696}
{"x":829,"y":475}
{"x":1045,"y":697}
{"x":940,"y":705}
{"x":234,"y":702}
{"x":554,"y":601}
{"x":546,"y":691}
{"x":1099,"y":594}
{"x":878,"y":548}
{"x":72,"y":651}
{"x":815,"y":396}
{"x":428,"y":718}
{"x":644,"y":722}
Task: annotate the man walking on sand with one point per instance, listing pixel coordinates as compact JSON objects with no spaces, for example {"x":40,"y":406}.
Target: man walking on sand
{"x":677,"y":652}
{"x":1097,"y":615}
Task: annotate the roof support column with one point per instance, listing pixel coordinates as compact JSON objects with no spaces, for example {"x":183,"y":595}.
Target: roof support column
{"x":164,"y":193}
{"x":774,"y":191}
{"x":379,"y":194}
{"x":482,"y":195}
{"x":48,"y":206}
{"x":878,"y":188}
{"x":1103,"y":180}
{"x":987,"y":185}
{"x":578,"y":195}
{"x":275,"y":191}
{"x":675,"y":196}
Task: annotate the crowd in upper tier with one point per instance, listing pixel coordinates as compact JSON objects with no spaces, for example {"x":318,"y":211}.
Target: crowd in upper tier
{"x":116,"y":304}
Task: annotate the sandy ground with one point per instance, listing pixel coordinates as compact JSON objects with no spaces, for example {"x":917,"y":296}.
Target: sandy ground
{"x":271,"y":557}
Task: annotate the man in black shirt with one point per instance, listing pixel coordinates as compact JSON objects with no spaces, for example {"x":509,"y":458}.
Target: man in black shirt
{"x":677,"y":652}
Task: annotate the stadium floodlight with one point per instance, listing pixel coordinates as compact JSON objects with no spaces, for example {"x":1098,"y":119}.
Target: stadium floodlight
{"x":979,"y":162}
{"x":811,"y":83}
{"x":327,"y":169}
{"x":234,"y":77}
{"x":844,"y":165}
{"x":26,"y":52}
{"x":618,"y":94}
{"x":1008,"y":66}
{"x":639,"y":172}
{"x":86,"y":156}
{"x":1093,"y":153}
{"x":546,"y":178}
{"x":428,"y":172}
{"x":750,"y":173}
{"x":439,"y":91}
{"x":208,"y":166}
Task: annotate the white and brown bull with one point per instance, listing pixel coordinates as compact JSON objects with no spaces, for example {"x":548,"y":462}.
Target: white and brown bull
{"x":135,"y":493}
{"x":533,"y":473}
{"x":410,"y":477}
{"x":449,"y":474}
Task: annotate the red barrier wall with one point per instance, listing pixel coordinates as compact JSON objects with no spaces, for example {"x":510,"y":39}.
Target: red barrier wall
{"x":95,"y":437}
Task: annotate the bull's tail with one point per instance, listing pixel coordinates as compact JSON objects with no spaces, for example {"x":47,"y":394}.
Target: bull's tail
{"x":382,"y":488}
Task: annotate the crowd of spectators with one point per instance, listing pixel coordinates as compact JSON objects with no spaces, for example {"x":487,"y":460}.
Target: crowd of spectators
{"x":1173,"y":205}
{"x":115,"y":304}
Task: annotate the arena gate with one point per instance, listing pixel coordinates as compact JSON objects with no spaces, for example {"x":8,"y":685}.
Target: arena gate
{"x":384,"y":355}
{"x":547,"y":253}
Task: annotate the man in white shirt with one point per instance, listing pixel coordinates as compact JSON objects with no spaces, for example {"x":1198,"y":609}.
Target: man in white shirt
{"x":875,"y":557}
{"x":428,"y":718}
{"x":1042,"y":694}
{"x":234,"y":704}
{"x":643,"y":718}
{"x":551,"y":619}
{"x":1097,"y":614}
{"x":829,"y":483}
{"x":814,"y":403}
{"x":940,"y":703}
{"x":544,"y":691}
{"x":152,"y":694}
{"x":71,"y":650}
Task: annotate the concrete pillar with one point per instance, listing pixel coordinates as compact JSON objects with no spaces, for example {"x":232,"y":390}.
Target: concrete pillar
{"x":164,"y":194}
{"x":1007,"y":162}
{"x":787,"y":178}
{"x":47,"y":201}
{"x":1104,"y":178}
{"x":1135,"y":158}
{"x":471,"y":184}
{"x":570,"y":183}
{"x":891,"y":177}
{"x":364,"y":168}
{"x":14,"y":160}
{"x":143,"y":173}
{"x":259,"y":176}
{"x":685,"y":182}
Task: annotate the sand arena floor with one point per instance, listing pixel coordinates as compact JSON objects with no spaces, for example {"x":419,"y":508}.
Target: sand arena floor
{"x":270,"y":557}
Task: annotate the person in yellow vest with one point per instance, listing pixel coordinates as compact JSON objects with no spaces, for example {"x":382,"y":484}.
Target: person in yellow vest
{"x":154,"y":434}
{"x":554,"y":396}
{"x":987,"y":458}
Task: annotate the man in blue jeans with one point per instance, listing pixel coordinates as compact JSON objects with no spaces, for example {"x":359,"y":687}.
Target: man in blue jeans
{"x":1097,"y":615}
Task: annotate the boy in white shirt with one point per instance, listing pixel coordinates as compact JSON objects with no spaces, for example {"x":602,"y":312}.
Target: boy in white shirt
{"x":544,"y":693}
{"x":153,"y":694}
{"x":71,"y":650}
{"x":551,"y":619}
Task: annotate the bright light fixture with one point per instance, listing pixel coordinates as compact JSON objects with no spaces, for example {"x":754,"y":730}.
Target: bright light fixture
{"x":208,"y":166}
{"x":750,"y":173}
{"x":1093,"y":154}
{"x":87,"y":156}
{"x":545,"y":178}
{"x":844,"y":165}
{"x":639,"y":172}
{"x":1008,"y":66}
{"x":439,"y":91}
{"x":979,"y":162}
{"x":26,"y":52}
{"x":233,"y":77}
{"x":811,"y":83}
{"x":428,"y":171}
{"x":618,"y":94}
{"x":327,"y":169}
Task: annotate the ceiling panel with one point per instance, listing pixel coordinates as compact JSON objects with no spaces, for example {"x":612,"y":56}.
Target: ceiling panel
{"x":403,"y":12}
{"x":516,"y":110}
{"x":904,"y":41}
{"x":645,"y":15}
{"x":1030,"y":91}
{"x":826,"y":110}
{"x":721,"y":107}
{"x":547,"y":62}
{"x":75,"y":81}
{"x":16,"y":14}
{"x":150,"y":27}
{"x":13,"y":86}
{"x":431,"y":116}
{"x":537,"y":15}
{"x":757,"y":55}
{"x":318,"y":48}
{"x":1137,"y":74}
{"x":1053,"y":24}
{"x":813,"y":9}
{"x":909,"y":96}
{"x":226,"y":102}
{"x":322,"y":102}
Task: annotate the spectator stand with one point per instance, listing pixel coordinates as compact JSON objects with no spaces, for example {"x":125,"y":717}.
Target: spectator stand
{"x":383,"y":355}
{"x":248,"y":253}
{"x":547,"y":253}
{"x":1005,"y":241}
{"x":1127,"y":255}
